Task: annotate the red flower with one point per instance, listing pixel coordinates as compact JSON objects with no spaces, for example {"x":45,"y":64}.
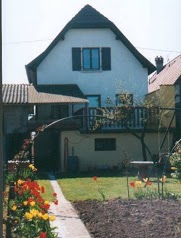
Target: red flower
{"x":148,"y":183}
{"x":16,"y":189}
{"x":42,"y":189}
{"x":54,"y":194}
{"x":56,"y":202}
{"x":94,"y":178}
{"x":132,"y":184}
{"x":43,"y":235}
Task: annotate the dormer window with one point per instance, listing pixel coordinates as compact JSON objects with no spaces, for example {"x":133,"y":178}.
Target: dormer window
{"x":91,"y":59}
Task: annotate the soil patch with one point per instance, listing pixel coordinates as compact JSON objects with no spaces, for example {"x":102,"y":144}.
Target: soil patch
{"x":132,"y":218}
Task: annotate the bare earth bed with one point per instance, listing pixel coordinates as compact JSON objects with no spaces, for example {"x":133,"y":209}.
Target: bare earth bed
{"x":132,"y":218}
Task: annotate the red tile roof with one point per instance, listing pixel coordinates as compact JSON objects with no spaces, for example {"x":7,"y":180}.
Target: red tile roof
{"x":168,"y":76}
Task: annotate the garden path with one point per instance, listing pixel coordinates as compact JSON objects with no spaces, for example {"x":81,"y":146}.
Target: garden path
{"x":67,"y":221}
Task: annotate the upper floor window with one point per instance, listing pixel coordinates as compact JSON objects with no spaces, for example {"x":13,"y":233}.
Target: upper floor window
{"x":94,"y":100}
{"x":90,"y":59}
{"x":124,"y":99}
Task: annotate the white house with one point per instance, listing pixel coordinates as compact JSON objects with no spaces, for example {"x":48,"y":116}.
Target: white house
{"x":89,"y":59}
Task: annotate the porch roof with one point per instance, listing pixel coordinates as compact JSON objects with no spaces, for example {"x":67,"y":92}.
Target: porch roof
{"x":40,"y":94}
{"x":67,"y":93}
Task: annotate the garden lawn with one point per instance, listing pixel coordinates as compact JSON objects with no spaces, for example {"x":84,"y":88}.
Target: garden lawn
{"x":86,"y":188}
{"x":47,"y":195}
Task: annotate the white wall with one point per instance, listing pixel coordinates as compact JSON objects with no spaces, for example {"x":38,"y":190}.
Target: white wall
{"x":84,"y":147}
{"x":125,"y":68}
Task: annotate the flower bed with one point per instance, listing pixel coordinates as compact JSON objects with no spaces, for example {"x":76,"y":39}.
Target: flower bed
{"x":28,"y":212}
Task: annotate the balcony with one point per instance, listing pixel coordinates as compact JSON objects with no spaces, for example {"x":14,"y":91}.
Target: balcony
{"x":120,"y":119}
{"x":105,"y":119}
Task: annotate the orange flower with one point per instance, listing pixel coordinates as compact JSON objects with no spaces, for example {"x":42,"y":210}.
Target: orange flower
{"x":132,"y":184}
{"x":42,"y":189}
{"x":94,"y":178}
{"x":148,"y":183}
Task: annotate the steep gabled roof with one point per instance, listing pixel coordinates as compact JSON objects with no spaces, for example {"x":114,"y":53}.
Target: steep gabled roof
{"x":41,"y":94}
{"x":168,"y":76}
{"x":88,"y":17}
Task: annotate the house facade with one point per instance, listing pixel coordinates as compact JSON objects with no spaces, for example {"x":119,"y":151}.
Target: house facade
{"x":81,"y":81}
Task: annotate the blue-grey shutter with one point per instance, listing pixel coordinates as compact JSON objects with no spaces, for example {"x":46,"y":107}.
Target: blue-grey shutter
{"x":106,"y":58}
{"x":76,"y":59}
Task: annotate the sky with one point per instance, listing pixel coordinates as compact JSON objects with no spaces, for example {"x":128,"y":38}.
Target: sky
{"x":29,"y":26}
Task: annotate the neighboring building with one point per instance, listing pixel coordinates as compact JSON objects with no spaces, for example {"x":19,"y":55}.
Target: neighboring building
{"x":15,"y":112}
{"x":89,"y":63}
{"x":164,"y":89}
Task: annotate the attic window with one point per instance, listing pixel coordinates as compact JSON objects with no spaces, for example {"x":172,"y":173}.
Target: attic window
{"x":91,"y":59}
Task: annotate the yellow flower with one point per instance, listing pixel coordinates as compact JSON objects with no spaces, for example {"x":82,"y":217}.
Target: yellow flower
{"x":163,"y":179}
{"x":40,"y":215}
{"x":25,"y":203}
{"x":14,"y":207}
{"x":32,"y":203}
{"x":45,"y":216}
{"x":28,"y":215}
{"x":138,"y":183}
{"x":34,"y":212}
{"x":30,"y":166}
{"x":47,"y":202}
{"x":20,"y":181}
{"x":52,"y":218}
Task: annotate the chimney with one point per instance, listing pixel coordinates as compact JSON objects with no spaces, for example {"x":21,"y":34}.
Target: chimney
{"x":159,"y":64}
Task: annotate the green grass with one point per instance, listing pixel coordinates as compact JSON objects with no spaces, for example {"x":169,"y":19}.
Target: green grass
{"x":78,"y":187}
{"x":43,"y":180}
{"x":85,"y":188}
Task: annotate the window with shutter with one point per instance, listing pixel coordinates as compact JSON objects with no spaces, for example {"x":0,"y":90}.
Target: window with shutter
{"x":91,"y":59}
{"x":88,"y":59}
